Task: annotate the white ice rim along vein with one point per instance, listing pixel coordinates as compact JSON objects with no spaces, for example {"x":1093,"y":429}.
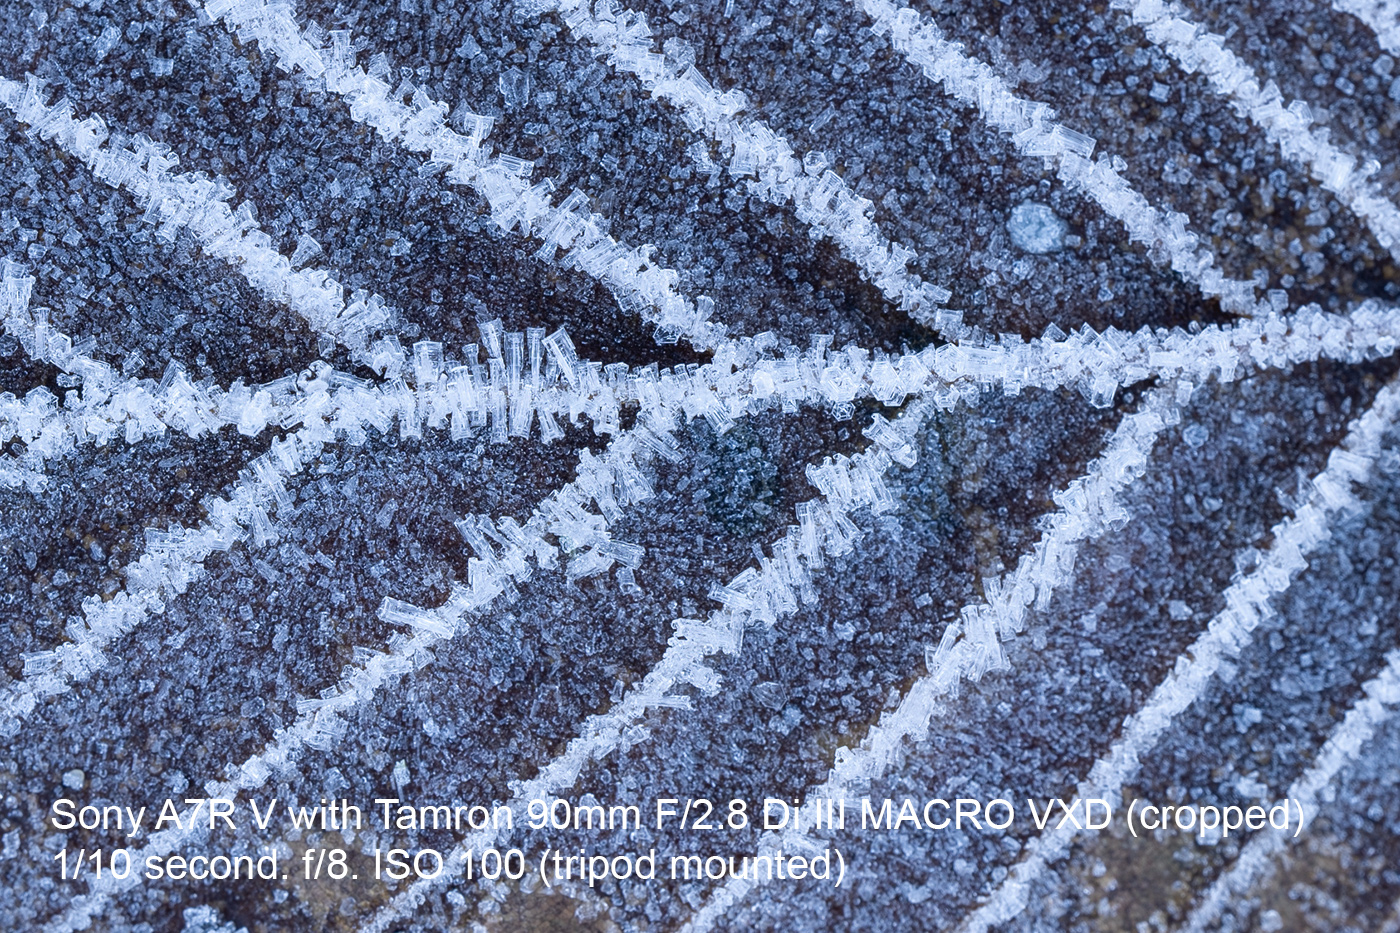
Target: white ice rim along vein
{"x":757,"y":596}
{"x":1167,"y":25}
{"x":819,"y":196}
{"x":87,"y":138}
{"x":424,"y":620}
{"x":1247,"y":603}
{"x":763,"y":596}
{"x":1035,"y":132}
{"x":971,"y":646}
{"x":638,"y":284}
{"x":174,"y":201}
{"x":1376,"y":705}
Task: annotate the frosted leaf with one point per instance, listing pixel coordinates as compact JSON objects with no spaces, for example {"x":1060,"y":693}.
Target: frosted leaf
{"x":311,"y":601}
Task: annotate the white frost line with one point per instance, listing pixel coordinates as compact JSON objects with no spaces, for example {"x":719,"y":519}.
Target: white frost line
{"x":1034,"y":132}
{"x":331,"y":404}
{"x":1247,"y":602}
{"x":326,"y":404}
{"x":109,"y":404}
{"x":1267,"y":341}
{"x":1096,"y":363}
{"x":635,"y":280}
{"x":972,"y":646}
{"x":756,"y":596}
{"x":607,"y":481}
{"x":650,"y":290}
{"x":528,"y":375}
{"x":502,"y":398}
{"x":193,"y":201}
{"x":106,"y":407}
{"x":1383,"y":16}
{"x":821,"y":198}
{"x":639,"y":284}
{"x":539,"y":376}
{"x":611,"y":480}
{"x":1382,"y":692}
{"x":171,"y":560}
{"x":1286,"y":124}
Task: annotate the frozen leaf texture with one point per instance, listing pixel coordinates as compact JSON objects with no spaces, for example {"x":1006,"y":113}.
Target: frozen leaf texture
{"x":482,"y":405}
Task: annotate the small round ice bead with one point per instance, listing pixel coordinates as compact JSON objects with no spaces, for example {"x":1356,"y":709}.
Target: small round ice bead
{"x":1196,"y":435}
{"x":1035,"y":228}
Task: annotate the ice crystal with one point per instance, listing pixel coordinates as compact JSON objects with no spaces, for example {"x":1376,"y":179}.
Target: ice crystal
{"x":1035,"y":228}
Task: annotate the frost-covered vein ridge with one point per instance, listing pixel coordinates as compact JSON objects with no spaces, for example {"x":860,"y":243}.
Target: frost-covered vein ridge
{"x":527,"y":378}
{"x":504,"y":551}
{"x":1035,"y":132}
{"x":644,"y":287}
{"x":193,"y":201}
{"x":1383,"y":16}
{"x":1247,"y":602}
{"x":109,"y":403}
{"x":757,"y":596}
{"x":1096,"y":363}
{"x":971,"y":645}
{"x":609,"y":481}
{"x":1381,"y":694}
{"x":821,"y":198}
{"x":639,"y":284}
{"x":172,"y":559}
{"x":501,"y":393}
{"x":326,"y":405}
{"x":329,"y":404}
{"x":538,"y":378}
{"x":1286,"y":124}
{"x":736,"y":383}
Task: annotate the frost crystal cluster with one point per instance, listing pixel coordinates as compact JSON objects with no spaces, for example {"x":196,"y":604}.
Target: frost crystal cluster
{"x":821,"y":401}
